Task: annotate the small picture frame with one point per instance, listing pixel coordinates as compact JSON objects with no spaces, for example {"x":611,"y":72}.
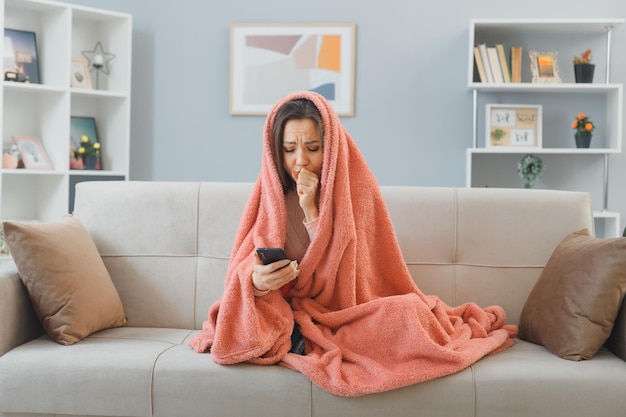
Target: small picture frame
{"x":80,"y":74}
{"x":544,"y":67}
{"x":20,"y":56}
{"x":32,"y":152}
{"x":513,"y":126}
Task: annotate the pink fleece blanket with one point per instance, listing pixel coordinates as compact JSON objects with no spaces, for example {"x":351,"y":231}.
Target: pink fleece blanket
{"x":367,"y":327}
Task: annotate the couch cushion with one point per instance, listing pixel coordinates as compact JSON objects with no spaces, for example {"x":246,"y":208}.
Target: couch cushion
{"x":529,"y":380}
{"x":190,"y":384}
{"x":572,"y":307}
{"x":109,"y":373}
{"x":66,"y":280}
{"x":448,"y":396}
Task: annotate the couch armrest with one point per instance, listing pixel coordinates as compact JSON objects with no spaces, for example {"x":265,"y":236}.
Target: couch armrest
{"x":617,"y":340}
{"x":18,"y":322}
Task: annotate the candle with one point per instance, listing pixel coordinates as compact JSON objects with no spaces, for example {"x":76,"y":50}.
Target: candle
{"x":97,"y":59}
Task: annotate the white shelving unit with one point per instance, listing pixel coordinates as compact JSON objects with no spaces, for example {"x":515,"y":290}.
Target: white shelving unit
{"x":566,"y":167}
{"x":43,"y":110}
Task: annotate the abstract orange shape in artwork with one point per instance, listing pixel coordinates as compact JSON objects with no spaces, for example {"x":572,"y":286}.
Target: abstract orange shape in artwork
{"x":330,"y":53}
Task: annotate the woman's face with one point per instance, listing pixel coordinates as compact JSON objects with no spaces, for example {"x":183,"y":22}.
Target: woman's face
{"x":302,"y":148}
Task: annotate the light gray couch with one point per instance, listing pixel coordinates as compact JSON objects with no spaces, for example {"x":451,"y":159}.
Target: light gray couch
{"x":166,"y":246}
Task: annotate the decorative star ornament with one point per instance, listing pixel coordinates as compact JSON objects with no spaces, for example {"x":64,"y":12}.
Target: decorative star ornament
{"x":98,"y":59}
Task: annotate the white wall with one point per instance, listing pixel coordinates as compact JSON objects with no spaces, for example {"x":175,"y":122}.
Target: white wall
{"x":413,"y":115}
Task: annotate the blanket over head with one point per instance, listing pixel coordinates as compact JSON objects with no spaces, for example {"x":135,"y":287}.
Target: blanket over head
{"x":366,"y":325}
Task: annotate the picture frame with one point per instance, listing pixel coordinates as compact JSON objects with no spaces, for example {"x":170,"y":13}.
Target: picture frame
{"x":79,"y":76}
{"x":21,"y":63}
{"x":79,"y":126}
{"x":268,"y":61}
{"x":32,"y":152}
{"x":513,"y":126}
{"x":544,"y":67}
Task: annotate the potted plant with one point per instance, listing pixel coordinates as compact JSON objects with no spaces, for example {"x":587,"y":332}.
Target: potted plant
{"x":583,"y":128}
{"x":583,"y":68}
{"x":89,"y":151}
{"x":530,"y":168}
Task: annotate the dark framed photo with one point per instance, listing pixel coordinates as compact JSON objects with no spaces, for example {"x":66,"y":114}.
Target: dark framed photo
{"x":81,"y":128}
{"x":21,"y":63}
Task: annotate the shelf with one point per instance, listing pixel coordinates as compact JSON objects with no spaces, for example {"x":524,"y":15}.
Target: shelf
{"x":23,"y":171}
{"x":557,"y":26}
{"x":96,"y":173}
{"x":545,"y":88}
{"x":44,"y":110}
{"x":605,"y":214}
{"x":566,"y":167}
{"x":31,"y":88}
{"x":553,"y":151}
{"x":607,"y":224}
{"x":98,"y":93}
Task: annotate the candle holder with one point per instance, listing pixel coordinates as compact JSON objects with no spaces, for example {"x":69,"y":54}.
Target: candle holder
{"x":98,"y":61}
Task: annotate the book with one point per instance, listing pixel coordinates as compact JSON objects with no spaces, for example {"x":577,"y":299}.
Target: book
{"x":480,"y":66}
{"x":485,"y":55}
{"x":516,"y":64}
{"x":504,"y":62}
{"x":494,"y":63}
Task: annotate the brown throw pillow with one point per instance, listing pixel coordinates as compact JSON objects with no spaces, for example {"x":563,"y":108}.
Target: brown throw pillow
{"x":67,"y":282}
{"x":572,"y":307}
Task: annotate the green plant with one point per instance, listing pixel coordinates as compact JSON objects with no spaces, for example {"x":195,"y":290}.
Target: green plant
{"x":582,"y":125}
{"x":87,"y":147}
{"x":498,"y":134}
{"x":529,"y":168}
{"x":584,"y":58}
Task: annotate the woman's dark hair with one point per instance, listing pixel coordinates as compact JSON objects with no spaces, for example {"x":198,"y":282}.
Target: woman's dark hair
{"x":292,"y":110}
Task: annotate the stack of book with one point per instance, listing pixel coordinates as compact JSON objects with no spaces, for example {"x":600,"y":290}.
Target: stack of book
{"x":496,"y":64}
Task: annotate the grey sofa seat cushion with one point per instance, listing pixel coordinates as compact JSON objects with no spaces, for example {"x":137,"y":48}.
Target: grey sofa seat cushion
{"x":117,"y":364}
{"x":528,"y":379}
{"x":192,"y":385}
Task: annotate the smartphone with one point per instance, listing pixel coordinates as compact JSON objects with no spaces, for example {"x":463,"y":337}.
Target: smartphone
{"x":269,"y":255}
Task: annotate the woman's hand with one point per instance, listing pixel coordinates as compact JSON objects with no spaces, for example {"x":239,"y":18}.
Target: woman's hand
{"x":273,"y":276}
{"x":307,"y":186}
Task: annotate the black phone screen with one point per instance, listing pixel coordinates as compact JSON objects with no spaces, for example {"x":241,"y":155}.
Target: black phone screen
{"x":270,"y":255}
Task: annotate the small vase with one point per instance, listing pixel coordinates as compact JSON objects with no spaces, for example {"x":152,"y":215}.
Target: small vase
{"x":9,"y":161}
{"x":90,"y":162}
{"x":583,"y":141}
{"x":584,"y":73}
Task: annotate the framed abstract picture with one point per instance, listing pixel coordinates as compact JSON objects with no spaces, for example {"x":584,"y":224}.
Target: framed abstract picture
{"x":268,"y":61}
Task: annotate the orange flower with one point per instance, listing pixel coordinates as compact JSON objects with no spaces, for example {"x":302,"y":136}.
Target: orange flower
{"x":582,"y":125}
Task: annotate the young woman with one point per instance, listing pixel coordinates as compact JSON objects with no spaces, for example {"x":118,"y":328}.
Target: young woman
{"x":297,"y":149}
{"x":365,"y":325}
